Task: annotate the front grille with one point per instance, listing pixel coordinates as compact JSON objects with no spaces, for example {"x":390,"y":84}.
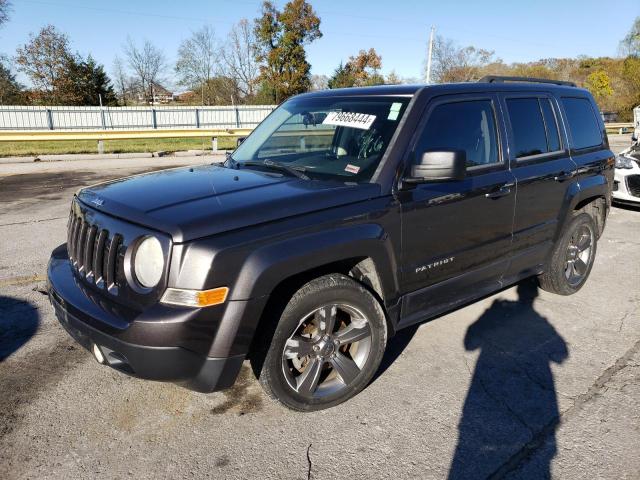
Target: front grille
{"x":94,"y":252}
{"x":633,"y":185}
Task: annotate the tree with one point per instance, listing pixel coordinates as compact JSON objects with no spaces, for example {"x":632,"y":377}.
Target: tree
{"x":221,"y":90}
{"x":46,"y":60}
{"x":599,"y":84}
{"x":10,"y":89}
{"x":319,"y":82}
{"x":91,"y":84}
{"x":365,"y":67}
{"x":281,"y":37}
{"x":342,"y":77}
{"x":197,"y":60}
{"x":148,"y":63}
{"x":630,"y":44}
{"x":5,"y":7}
{"x":59,"y":76}
{"x":455,"y":64}
{"x":238,"y":59}
{"x":123,"y":83}
{"x":360,"y":71}
{"x":393,"y":78}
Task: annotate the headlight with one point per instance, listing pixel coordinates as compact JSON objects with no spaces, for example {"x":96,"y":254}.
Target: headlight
{"x":148,"y":262}
{"x":623,"y":162}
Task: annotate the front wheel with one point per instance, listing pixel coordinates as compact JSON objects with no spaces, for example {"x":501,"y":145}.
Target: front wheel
{"x":327,"y":346}
{"x":572,"y":257}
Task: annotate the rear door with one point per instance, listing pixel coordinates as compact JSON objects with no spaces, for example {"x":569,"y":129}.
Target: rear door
{"x":540,"y":162}
{"x":456,"y":234}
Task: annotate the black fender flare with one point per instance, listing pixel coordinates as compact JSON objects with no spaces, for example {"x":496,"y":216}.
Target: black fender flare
{"x":269,"y":265}
{"x":591,"y":187}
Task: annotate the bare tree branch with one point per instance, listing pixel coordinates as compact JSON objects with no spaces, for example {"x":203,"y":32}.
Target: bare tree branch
{"x":455,"y":64}
{"x":238,"y":58}
{"x":198,"y":59}
{"x":148,"y":63}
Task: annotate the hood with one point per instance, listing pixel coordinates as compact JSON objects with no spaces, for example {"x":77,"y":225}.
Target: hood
{"x":195,"y":202}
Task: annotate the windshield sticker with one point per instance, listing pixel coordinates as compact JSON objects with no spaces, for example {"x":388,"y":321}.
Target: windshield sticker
{"x":352,"y":168}
{"x":394,"y":111}
{"x":350,"y":119}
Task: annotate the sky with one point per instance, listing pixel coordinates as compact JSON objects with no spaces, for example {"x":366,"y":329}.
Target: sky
{"x":517,"y":30}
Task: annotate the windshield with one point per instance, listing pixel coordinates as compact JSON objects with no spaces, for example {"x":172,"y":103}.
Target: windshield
{"x":341,"y":138}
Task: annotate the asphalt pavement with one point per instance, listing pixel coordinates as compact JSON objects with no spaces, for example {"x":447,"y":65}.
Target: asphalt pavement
{"x":522,"y":384}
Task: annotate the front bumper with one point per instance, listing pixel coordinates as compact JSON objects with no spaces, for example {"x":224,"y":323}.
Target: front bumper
{"x":622,"y":193}
{"x":153,"y":344}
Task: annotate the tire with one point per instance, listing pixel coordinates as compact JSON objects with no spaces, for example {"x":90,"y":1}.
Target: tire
{"x":304,"y":368}
{"x":572,"y":257}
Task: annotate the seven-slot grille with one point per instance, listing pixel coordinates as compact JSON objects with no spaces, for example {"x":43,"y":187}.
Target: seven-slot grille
{"x":93,"y":252}
{"x":633,"y":185}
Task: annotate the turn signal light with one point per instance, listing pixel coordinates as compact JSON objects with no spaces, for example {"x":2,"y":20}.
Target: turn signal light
{"x":195,"y":298}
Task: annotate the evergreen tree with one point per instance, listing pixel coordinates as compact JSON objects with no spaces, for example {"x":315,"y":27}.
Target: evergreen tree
{"x":90,"y":83}
{"x":281,"y":37}
{"x":10,"y":89}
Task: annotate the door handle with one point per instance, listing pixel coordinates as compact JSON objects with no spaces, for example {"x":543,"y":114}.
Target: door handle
{"x":563,"y":176}
{"x":501,"y":192}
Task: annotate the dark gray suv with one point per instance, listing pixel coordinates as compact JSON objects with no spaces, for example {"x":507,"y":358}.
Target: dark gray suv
{"x":344,"y":217}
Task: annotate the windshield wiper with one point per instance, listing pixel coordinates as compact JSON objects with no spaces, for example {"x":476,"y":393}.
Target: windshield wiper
{"x":296,"y":171}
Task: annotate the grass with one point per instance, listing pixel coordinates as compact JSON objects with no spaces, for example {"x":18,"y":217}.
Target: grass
{"x":17,"y":149}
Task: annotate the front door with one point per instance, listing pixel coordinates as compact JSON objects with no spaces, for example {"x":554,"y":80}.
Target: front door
{"x":456,"y":235}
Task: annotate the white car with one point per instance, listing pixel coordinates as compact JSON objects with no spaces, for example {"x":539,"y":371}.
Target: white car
{"x":626,"y":182}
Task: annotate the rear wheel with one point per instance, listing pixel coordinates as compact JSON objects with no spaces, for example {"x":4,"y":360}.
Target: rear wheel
{"x":327,"y":346}
{"x":572,"y":257}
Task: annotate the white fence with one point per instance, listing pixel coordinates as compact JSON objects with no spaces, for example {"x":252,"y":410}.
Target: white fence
{"x":131,"y":118}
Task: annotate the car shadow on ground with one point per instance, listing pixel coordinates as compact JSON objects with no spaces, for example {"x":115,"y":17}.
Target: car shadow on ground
{"x":19,"y":321}
{"x":511,"y":409}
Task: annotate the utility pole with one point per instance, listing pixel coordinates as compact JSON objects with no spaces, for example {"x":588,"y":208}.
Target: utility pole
{"x":430,"y":54}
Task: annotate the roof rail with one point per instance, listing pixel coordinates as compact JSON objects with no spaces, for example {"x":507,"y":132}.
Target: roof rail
{"x":500,"y":79}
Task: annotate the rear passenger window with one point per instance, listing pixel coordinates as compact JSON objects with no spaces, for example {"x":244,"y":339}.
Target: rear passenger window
{"x":583,"y":124}
{"x":468,"y":126}
{"x":529,"y":134}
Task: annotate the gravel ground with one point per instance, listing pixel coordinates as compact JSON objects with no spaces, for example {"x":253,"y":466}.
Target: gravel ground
{"x":508,"y":387}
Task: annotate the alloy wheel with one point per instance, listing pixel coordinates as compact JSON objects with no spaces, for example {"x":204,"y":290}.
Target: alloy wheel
{"x":578,"y":255}
{"x":327,"y":351}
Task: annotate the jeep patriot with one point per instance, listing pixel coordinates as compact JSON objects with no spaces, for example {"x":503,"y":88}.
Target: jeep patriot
{"x":344,"y":217}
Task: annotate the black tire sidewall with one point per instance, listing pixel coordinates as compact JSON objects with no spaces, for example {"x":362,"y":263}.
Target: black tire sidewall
{"x":319,"y":292}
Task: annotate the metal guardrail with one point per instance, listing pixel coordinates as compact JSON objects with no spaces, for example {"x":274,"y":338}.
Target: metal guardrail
{"x":131,"y":118}
{"x":615,"y":126}
{"x":103,"y":135}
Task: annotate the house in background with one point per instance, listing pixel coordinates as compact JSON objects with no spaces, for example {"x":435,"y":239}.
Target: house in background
{"x":160,"y":95}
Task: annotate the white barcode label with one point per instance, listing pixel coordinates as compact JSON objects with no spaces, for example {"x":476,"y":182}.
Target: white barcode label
{"x":350,"y":119}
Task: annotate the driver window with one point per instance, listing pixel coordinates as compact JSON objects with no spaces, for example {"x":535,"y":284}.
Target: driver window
{"x":466,"y":125}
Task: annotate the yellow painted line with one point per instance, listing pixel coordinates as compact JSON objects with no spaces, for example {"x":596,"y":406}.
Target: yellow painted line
{"x":48,"y":135}
{"x":8,"y":282}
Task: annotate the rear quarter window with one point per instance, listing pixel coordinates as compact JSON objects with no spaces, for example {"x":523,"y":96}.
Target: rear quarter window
{"x":583,"y":123}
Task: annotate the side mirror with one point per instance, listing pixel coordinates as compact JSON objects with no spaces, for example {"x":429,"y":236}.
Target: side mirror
{"x":240,"y":140}
{"x":441,"y":165}
{"x":634,"y":138}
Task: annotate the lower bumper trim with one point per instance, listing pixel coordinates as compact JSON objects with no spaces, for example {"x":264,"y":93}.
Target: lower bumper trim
{"x":170,"y":364}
